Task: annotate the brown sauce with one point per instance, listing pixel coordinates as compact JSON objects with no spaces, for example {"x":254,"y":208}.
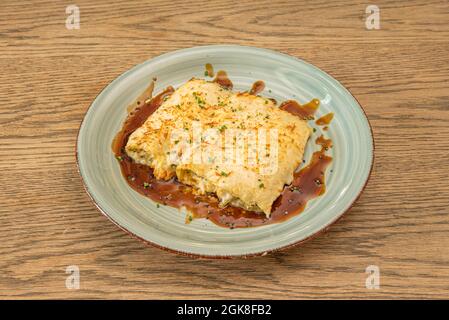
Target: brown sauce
{"x":305,"y":111}
{"x":257,"y":87}
{"x":222,"y":79}
{"x":135,"y":119}
{"x":325,"y":120}
{"x":209,"y":70}
{"x":308,"y":183}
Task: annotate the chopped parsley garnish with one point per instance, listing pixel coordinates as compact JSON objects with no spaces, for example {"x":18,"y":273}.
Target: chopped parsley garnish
{"x":224,"y":174}
{"x":119,"y":158}
{"x":198,"y":99}
{"x":146,"y":185}
{"x":261,"y":186}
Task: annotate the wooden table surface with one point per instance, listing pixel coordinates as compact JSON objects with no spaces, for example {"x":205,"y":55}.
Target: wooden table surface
{"x":50,"y":75}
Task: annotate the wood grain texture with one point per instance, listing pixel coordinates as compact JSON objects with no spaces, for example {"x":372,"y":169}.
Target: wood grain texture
{"x":50,"y":75}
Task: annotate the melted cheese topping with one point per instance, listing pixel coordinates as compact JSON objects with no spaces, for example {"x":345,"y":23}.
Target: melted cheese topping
{"x":168,"y":135}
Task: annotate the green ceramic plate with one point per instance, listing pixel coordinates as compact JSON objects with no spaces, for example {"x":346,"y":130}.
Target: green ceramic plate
{"x":285,"y":77}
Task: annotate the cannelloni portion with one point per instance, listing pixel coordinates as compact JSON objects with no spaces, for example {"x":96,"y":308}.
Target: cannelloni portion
{"x":239,"y":146}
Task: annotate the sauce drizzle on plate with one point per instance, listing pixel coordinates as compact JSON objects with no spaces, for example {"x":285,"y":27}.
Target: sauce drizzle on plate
{"x":222,"y":79}
{"x":257,"y":87}
{"x":325,"y":120}
{"x":304,"y":111}
{"x":209,"y":70}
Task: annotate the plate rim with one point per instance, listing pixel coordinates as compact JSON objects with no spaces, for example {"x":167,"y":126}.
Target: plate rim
{"x":322,"y":230}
